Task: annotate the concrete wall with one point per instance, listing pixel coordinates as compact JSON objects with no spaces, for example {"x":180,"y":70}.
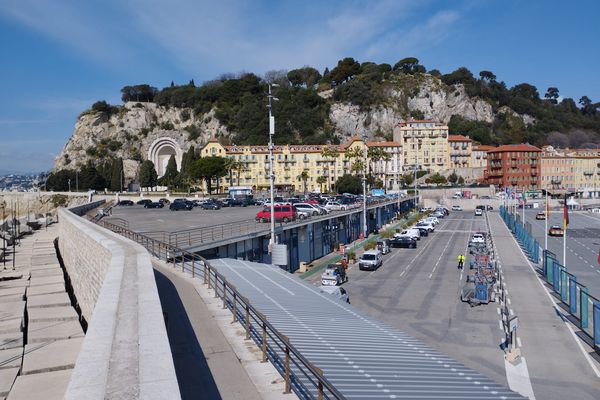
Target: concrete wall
{"x":126,"y":352}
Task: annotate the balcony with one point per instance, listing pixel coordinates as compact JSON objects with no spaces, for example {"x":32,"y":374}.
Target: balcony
{"x":588,"y":173}
{"x":556,"y":181}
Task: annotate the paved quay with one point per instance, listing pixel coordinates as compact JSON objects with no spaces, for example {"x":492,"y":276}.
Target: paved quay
{"x":555,"y":363}
{"x":209,"y":352}
{"x":40,"y":333}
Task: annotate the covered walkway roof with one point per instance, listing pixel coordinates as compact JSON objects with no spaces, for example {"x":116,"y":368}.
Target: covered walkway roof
{"x":363,"y":357}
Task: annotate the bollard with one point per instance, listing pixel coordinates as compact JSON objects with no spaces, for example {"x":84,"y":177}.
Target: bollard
{"x":234,"y":307}
{"x":208,"y":277}
{"x":206,"y":274}
{"x":224,"y":294}
{"x":193,"y":267}
{"x":216,"y":285}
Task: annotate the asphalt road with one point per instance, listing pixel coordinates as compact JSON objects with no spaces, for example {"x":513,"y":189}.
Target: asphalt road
{"x":583,"y":244}
{"x":418,"y":292}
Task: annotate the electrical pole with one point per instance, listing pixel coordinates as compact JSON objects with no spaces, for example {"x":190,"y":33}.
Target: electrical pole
{"x":270,"y":97}
{"x":365,"y":230}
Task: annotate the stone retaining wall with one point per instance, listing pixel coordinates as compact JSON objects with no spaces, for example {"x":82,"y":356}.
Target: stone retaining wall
{"x":126,"y":352}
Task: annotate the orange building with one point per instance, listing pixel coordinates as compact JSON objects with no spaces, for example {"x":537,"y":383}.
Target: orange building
{"x":514,"y":165}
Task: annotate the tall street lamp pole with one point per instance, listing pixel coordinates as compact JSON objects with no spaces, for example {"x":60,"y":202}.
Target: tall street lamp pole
{"x":270,"y":97}
{"x":398,"y":177}
{"x":415,"y":167}
{"x":365,"y":234}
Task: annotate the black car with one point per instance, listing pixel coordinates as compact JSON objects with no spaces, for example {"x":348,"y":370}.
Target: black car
{"x":229,"y":202}
{"x":404,"y":241}
{"x":164,"y":201}
{"x":125,"y":203}
{"x":211,"y":205}
{"x":422,"y":230}
{"x":486,"y":207}
{"x":181,"y":205}
{"x":154,"y":204}
{"x":143,"y":202}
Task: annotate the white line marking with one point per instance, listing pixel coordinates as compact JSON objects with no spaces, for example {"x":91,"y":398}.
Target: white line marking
{"x":518,"y":378}
{"x":508,"y":300}
{"x":519,"y":343}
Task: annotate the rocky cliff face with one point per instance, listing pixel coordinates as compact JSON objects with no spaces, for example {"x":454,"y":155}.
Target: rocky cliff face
{"x":130,"y":132}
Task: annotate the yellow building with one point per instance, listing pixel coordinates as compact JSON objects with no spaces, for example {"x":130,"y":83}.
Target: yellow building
{"x":572,"y":170}
{"x":479,"y":155}
{"x":423,"y":142}
{"x":460,"y":151}
{"x":323,"y":163}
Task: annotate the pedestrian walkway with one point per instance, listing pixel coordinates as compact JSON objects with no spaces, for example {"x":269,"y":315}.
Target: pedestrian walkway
{"x":40,"y":333}
{"x":557,"y":365}
{"x":209,"y":352}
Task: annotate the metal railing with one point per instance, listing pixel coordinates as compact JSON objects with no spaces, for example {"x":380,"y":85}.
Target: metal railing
{"x":583,"y":308}
{"x":300,"y":375}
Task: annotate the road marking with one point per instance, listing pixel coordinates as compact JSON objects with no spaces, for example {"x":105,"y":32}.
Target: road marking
{"x":518,"y":378}
{"x":558,"y":310}
{"x":441,"y":255}
{"x":508,"y":300}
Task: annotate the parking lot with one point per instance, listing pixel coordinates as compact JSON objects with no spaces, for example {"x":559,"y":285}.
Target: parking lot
{"x":418,"y":291}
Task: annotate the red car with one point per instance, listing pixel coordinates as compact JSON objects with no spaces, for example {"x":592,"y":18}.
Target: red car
{"x":285,"y":213}
{"x":312,"y":201}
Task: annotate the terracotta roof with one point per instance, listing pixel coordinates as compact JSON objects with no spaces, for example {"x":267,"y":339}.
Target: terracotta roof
{"x":515,"y":147}
{"x":483,"y":147}
{"x":350,"y":141}
{"x":459,"y":138}
{"x":383,"y":144}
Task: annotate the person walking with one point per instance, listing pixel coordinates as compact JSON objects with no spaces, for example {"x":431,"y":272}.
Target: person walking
{"x":461,"y":261}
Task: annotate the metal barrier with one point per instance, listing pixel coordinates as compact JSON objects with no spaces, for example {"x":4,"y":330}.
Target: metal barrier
{"x":522,"y":234}
{"x":299,"y":374}
{"x":582,"y":306}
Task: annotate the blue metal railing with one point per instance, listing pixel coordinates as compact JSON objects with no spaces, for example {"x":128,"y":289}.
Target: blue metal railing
{"x":583,"y":307}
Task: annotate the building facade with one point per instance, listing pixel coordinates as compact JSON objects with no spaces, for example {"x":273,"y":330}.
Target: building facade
{"x":479,"y":155}
{"x":514,"y":166}
{"x":460,"y":150}
{"x":324,"y":164}
{"x":571,"y":170}
{"x":425,"y":143}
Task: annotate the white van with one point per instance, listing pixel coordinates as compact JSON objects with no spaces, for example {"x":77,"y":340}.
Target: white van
{"x":370,"y":260}
{"x":412,"y":232}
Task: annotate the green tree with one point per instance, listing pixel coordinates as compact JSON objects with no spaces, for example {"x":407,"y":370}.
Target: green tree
{"x":349,"y":184}
{"x":322,"y":180}
{"x":355,"y":156}
{"x":207,"y":169}
{"x":408,"y":178}
{"x":552,"y":95}
{"x":304,"y":175}
{"x":586,"y":105}
{"x":139,"y":93}
{"x":148,"y":176}
{"x":408,"y":65}
{"x":59,"y":181}
{"x":345,"y":70}
{"x":436,"y":179}
{"x":170,"y":178}
{"x":306,"y":76}
{"x":487,"y":76}
{"x":89,"y":178}
{"x":329,"y":155}
{"x":453,"y":178}
{"x":117,"y":177}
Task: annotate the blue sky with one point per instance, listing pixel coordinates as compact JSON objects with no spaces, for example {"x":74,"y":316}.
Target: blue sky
{"x":59,"y":56}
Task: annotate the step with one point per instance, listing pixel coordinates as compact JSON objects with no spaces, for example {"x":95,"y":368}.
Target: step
{"x":7,"y":378}
{"x":45,"y":289}
{"x":47,"y":386}
{"x":37,"y":314}
{"x":46,"y":331}
{"x":49,"y":300}
{"x":11,"y":340}
{"x":11,"y":358}
{"x":46,"y":280}
{"x":52,"y":271}
{"x":51,"y":356}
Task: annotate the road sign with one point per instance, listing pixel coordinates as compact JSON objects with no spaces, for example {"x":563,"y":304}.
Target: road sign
{"x":513,"y":324}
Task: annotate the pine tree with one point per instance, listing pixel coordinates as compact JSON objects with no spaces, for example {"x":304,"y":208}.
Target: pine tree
{"x":148,"y":176}
{"x":169,"y":179}
{"x":117,"y":178}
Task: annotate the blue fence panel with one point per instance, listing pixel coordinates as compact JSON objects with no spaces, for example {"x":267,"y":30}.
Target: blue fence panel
{"x":572,"y":294}
{"x":596,"y":325}
{"x":556,"y":276}
{"x":583,"y":306}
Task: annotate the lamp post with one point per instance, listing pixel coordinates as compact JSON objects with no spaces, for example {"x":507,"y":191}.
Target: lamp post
{"x":415,"y":167}
{"x":398,"y":177}
{"x":270,"y":97}
{"x":364,"y":179}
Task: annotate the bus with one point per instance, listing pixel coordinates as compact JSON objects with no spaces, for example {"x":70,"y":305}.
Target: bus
{"x":241,"y":192}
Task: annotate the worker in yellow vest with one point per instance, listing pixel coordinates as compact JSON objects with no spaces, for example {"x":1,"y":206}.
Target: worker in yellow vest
{"x":461,"y":261}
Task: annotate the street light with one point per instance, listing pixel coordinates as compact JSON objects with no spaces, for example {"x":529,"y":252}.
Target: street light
{"x":364,"y":179}
{"x":415,"y":167}
{"x":270,"y":97}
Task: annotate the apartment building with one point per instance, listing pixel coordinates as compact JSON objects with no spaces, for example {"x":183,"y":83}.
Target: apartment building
{"x":425,"y":143}
{"x":479,"y":155}
{"x":460,"y":151}
{"x":570,"y":170}
{"x":324,"y":164}
{"x":515,"y":166}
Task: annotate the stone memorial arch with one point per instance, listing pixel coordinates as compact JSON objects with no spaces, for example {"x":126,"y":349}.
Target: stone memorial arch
{"x":161,"y":150}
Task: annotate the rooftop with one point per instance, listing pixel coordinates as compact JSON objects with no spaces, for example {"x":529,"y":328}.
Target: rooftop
{"x":515,"y":147}
{"x":459,"y":138}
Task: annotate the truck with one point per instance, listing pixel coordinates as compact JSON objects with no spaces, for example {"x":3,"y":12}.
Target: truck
{"x":334,"y":275}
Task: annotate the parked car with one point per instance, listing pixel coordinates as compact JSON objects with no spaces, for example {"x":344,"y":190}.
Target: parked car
{"x":335,"y":206}
{"x":164,"y":201}
{"x":423,"y":231}
{"x":310,"y":208}
{"x":404,"y":241}
{"x":594,"y":210}
{"x":477,"y":238}
{"x":211,"y":204}
{"x":478,"y":212}
{"x":324,"y":211}
{"x":334,"y":275}
{"x":484,"y":207}
{"x":143,"y":202}
{"x":556,"y":230}
{"x":433,"y":220}
{"x":540,"y":216}
{"x":456,"y":208}
{"x":181,"y":204}
{"x":125,"y":203}
{"x":370,"y":260}
{"x":339,"y":292}
{"x":284,"y":213}
{"x":411,"y":232}
{"x":384,"y":245}
{"x":428,"y":225}
{"x":154,"y":204}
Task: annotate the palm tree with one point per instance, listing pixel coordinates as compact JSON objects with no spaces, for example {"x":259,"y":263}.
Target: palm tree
{"x":329,"y":154}
{"x":303,"y":177}
{"x":321,"y":180}
{"x":240,"y":168}
{"x":233,"y":165}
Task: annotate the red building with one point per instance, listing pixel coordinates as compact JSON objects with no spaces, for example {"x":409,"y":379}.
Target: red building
{"x":514,"y":165}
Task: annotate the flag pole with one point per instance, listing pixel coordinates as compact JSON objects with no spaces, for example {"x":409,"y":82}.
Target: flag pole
{"x":547,"y":216}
